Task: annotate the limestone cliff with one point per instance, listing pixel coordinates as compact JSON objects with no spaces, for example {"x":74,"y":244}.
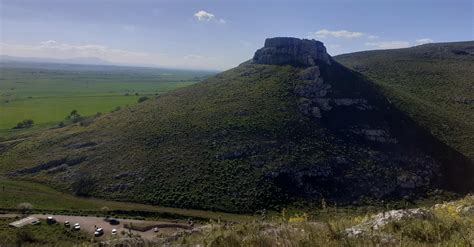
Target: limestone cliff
{"x":292,"y":51}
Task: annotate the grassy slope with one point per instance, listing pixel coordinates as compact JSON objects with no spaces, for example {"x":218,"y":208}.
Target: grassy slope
{"x":49,"y":94}
{"x":44,"y":198}
{"x":189,"y":132}
{"x":424,"y":81}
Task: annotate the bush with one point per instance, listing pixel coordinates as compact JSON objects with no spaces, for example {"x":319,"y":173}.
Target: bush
{"x":118,"y":108}
{"x":25,"y":207}
{"x":24,"y":236}
{"x":84,"y":185}
{"x":143,"y":98}
{"x":27,"y":123}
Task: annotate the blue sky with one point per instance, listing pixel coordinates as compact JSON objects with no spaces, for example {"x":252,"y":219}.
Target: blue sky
{"x":220,"y":34}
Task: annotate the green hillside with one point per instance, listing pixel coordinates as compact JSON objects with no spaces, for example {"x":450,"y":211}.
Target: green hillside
{"x":257,"y":136}
{"x":433,"y":83}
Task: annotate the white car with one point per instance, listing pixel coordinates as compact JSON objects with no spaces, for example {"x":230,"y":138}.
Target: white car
{"x":99,"y":232}
{"x":114,"y":231}
{"x":156,"y":229}
{"x":77,"y":227}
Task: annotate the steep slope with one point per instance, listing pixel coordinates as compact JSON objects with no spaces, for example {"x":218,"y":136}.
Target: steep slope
{"x":433,"y":83}
{"x":291,"y":125}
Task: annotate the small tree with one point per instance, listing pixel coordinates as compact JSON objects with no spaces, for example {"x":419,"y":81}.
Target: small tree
{"x":74,"y":116}
{"x":25,"y":208}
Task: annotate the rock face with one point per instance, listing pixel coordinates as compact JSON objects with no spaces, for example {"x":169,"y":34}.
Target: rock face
{"x":292,"y":51}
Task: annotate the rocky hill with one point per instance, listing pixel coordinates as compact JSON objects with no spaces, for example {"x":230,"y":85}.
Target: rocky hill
{"x":290,"y":125}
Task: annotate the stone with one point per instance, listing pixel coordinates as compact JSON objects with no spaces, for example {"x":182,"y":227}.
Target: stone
{"x":380,"y":220}
{"x":315,"y":112}
{"x":292,"y":51}
{"x":323,"y":104}
{"x":310,"y":73}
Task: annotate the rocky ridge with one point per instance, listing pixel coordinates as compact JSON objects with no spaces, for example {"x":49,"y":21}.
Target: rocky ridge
{"x":292,"y":51}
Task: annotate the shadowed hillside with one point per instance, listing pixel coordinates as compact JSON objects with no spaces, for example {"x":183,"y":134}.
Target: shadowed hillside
{"x":433,"y":83}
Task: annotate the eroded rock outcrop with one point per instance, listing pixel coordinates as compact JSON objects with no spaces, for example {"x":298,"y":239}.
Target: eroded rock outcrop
{"x":292,"y":51}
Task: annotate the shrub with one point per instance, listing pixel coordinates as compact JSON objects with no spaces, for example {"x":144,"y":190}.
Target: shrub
{"x":143,"y":98}
{"x":118,"y":108}
{"x":25,"y":207}
{"x":27,"y":123}
{"x":84,"y":185}
{"x":24,"y":236}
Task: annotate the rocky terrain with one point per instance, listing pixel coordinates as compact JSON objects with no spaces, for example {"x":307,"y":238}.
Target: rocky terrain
{"x":290,"y":126}
{"x":445,"y":224}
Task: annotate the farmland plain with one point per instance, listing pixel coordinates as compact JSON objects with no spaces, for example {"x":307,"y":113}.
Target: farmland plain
{"x":47,"y":93}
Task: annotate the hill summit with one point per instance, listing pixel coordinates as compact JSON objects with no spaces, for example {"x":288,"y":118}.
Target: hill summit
{"x":292,"y":51}
{"x":290,"y":126}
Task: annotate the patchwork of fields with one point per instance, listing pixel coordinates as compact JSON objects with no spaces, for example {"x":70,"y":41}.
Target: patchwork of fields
{"x":47,"y":93}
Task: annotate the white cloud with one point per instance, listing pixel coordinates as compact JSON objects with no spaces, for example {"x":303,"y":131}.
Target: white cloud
{"x":424,"y":41}
{"x":388,"y":44}
{"x":207,"y":17}
{"x":324,"y":33}
{"x":204,"y":16}
{"x":372,"y":37}
{"x":58,"y":50}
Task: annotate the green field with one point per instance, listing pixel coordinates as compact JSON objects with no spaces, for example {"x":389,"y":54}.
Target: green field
{"x":47,"y":93}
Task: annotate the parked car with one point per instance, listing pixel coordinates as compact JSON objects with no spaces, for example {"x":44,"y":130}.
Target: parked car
{"x":67,"y":224}
{"x":99,"y":232}
{"x":156,"y":229}
{"x":36,"y":222}
{"x":50,"y":220}
{"x":114,"y":221}
{"x":77,"y":227}
{"x":114,"y":231}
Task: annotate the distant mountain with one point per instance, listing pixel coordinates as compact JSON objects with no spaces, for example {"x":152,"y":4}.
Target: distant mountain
{"x":292,"y":125}
{"x":77,"y":60}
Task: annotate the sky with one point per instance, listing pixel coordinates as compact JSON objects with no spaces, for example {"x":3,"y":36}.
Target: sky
{"x":220,"y":34}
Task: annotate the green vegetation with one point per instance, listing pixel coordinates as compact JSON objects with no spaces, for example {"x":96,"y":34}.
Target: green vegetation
{"x":46,"y":93}
{"x":142,"y":99}
{"x":432,"y":83}
{"x":448,"y":224}
{"x":39,"y":235}
{"x":27,"y":123}
{"x":42,"y":198}
{"x":241,"y":142}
